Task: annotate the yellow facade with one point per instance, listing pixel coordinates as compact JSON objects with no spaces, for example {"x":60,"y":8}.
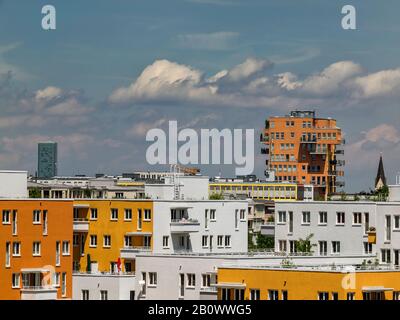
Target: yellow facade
{"x":307,"y":284}
{"x":116,"y":229}
{"x":258,"y":191}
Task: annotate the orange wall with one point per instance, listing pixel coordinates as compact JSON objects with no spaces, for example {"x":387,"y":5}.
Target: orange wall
{"x":59,"y":229}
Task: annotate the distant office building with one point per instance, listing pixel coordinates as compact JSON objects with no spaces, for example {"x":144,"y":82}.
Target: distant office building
{"x":47,"y":159}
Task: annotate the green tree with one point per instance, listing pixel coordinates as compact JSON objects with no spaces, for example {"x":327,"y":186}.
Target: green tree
{"x":265,"y":242}
{"x":305,"y":245}
{"x":382,"y":193}
{"x":216,"y":196}
{"x":35,"y":193}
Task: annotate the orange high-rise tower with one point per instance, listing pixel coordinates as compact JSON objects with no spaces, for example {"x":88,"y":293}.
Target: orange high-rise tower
{"x":305,"y":149}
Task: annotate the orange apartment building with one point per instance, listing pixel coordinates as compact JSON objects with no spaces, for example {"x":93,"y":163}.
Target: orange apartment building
{"x":305,"y":149}
{"x":36,"y":249}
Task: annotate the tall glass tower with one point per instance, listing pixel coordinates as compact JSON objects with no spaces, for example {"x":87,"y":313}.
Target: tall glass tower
{"x":47,"y":159}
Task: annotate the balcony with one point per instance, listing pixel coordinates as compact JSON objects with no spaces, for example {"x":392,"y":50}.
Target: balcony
{"x":319,"y":151}
{"x":131,"y":252}
{"x":339,"y":151}
{"x":268,"y":229}
{"x":81,"y":225}
{"x":184,"y":225}
{"x":38,"y":293}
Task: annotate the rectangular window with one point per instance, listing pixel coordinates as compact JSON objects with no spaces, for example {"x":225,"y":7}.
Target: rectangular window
{"x":254,"y":294}
{"x":36,"y":248}
{"x":16,"y":249}
{"x":243,"y":215}
{"x":65,"y":248}
{"x":85,"y":294}
{"x":282,"y":217}
{"x":357,"y":218}
{"x":56,"y":279}
{"x":114,"y":215}
{"x":335,"y":296}
{"x":367,"y":248}
{"x":147,"y":241}
{"x":396,"y":295}
{"x":340,"y":218}
{"x":204,"y":241}
{"x":323,"y":217}
{"x":206,"y":280}
{"x":128,"y":215}
{"x":6,"y":217}
{"x":191,"y":280}
{"x":8,"y":254}
{"x":213,"y":215}
{"x":351,"y":295}
{"x":284,"y":295}
{"x":93,"y":216}
{"x":127,"y":241}
{"x":306,"y":217}
{"x":228,"y":241}
{"x":153,"y":278}
{"x":103,"y":295}
{"x":107,"y":241}
{"x":16,"y":280}
{"x":14,"y":222}
{"x":385,"y":256}
{"x":64,"y":283}
{"x":75,"y":240}
{"x":147,"y":214}
{"x":139,"y":219}
{"x":323,"y":295}
{"x":335,"y":247}
{"x":397,"y":222}
{"x":36,"y":216}
{"x":323,"y":248}
{"x":273,"y":294}
{"x":219,"y":241}
{"x":58,"y":249}
{"x":165,"y":241}
{"x":282,"y":246}
{"x":93,"y":241}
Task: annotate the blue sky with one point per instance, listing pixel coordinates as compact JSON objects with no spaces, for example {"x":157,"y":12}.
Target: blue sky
{"x":62,"y":84}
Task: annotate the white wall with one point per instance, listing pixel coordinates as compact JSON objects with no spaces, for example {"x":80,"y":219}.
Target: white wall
{"x":159,"y":191}
{"x":394,"y":193}
{"x":118,"y":286}
{"x":13,"y":184}
{"x":223,"y":225}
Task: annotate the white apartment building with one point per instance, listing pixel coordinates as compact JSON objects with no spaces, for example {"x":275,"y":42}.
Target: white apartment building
{"x":13,"y":184}
{"x":193,"y":276}
{"x":341,"y":227}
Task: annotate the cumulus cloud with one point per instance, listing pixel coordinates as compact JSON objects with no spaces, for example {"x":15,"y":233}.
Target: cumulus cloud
{"x":253,"y":84}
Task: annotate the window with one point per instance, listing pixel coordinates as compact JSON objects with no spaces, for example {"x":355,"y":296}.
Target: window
{"x":323,"y":217}
{"x":340,"y":218}
{"x":128,"y":215}
{"x":36,"y":249}
{"x":227,"y":241}
{"x":93,"y":216}
{"x":385,"y":256}
{"x":165,"y":241}
{"x":242,"y":214}
{"x":213,"y":215}
{"x":284,"y":295}
{"x":351,"y":295}
{"x":16,"y":280}
{"x":36,"y":216}
{"x":273,"y":295}
{"x":103,"y":295}
{"x":75,"y":240}
{"x":219,"y":241}
{"x":191,"y":280}
{"x":323,"y":295}
{"x":366,"y":222}
{"x":64,"y":283}
{"x":93,"y":241}
{"x":128,"y":241}
{"x":16,"y":249}
{"x":56,"y":279}
{"x":396,"y":222}
{"x":107,"y":241}
{"x":114,"y":214}
{"x":306,"y":217}
{"x":8,"y":254}
{"x":85,"y":294}
{"x":367,"y":248}
{"x":254,"y":294}
{"x":357,"y":218}
{"x":396,"y":295}
{"x":147,"y":214}
{"x":206,"y":280}
{"x":335,"y":296}
{"x":282,"y":246}
{"x":323,"y":248}
{"x":58,"y":246}
{"x":6,"y":217}
{"x":65,"y":248}
{"x":14,"y":222}
{"x":282,"y":217}
{"x":335,"y":247}
{"x":147,"y":241}
{"x":153,"y":278}
{"x":204,"y":241}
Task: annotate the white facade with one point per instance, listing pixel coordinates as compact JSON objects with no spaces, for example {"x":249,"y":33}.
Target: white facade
{"x":94,"y":286}
{"x":347,"y":222}
{"x":191,"y":277}
{"x":13,"y":184}
{"x":200,"y":226}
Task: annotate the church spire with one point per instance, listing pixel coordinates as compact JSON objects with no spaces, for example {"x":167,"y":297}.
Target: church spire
{"x":380,"y":179}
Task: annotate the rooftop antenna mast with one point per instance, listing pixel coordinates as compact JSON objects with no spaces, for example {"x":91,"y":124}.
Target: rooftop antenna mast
{"x":174,"y":171}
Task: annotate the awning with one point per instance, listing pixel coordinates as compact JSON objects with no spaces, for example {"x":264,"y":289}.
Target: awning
{"x":234,"y":285}
{"x":376,"y":289}
{"x":34,"y":270}
{"x":138,"y":233}
{"x":81,"y":205}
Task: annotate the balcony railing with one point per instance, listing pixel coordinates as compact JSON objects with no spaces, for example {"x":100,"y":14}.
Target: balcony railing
{"x":183,"y":221}
{"x":38,"y":288}
{"x":92,"y":273}
{"x":308,"y":140}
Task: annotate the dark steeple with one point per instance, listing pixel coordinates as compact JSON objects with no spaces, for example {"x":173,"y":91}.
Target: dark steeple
{"x":380,"y":179}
